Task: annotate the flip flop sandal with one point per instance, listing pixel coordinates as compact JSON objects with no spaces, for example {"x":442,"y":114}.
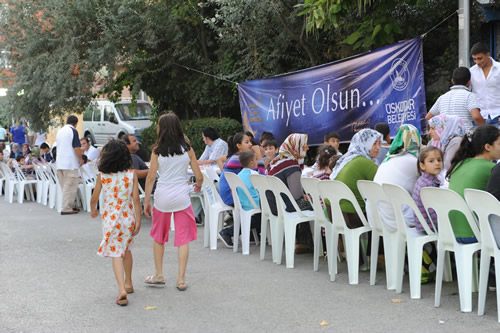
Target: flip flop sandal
{"x":179,"y":283}
{"x":122,"y":301}
{"x":153,"y":279}
{"x":129,"y":290}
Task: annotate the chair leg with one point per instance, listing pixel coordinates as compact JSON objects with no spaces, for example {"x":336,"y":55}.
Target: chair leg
{"x":332,"y":247}
{"x":483,"y":282}
{"x":415,"y":268}
{"x":352,"y":252}
{"x":464,"y":277}
{"x":316,"y":242}
{"x":263,"y":234}
{"x":280,"y":234}
{"x":448,"y":277}
{"x":497,"y":279}
{"x":206,"y":229}
{"x":400,"y":263}
{"x":245,"y":236}
{"x":20,"y":192}
{"x":236,"y":230}
{"x":374,"y":255}
{"x":439,"y":275}
{"x":290,"y":231}
{"x":214,"y":222}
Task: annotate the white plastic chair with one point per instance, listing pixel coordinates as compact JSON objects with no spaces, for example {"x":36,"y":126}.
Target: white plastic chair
{"x":10,"y":182}
{"x":269,"y":222}
{"x":2,"y":180}
{"x":42,"y":188}
{"x":310,"y":186}
{"x":288,"y":220}
{"x":485,"y":205}
{"x":22,"y":183}
{"x":57,"y":189}
{"x":408,"y":238}
{"x":214,"y":207}
{"x":373,"y":193}
{"x":212,"y":174}
{"x":443,"y":201}
{"x":245,"y":216}
{"x":336,"y":191}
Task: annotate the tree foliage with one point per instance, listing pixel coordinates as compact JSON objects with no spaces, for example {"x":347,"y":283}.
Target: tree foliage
{"x":64,"y":52}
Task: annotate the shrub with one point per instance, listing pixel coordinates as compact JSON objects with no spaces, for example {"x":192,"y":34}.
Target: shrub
{"x":192,"y":128}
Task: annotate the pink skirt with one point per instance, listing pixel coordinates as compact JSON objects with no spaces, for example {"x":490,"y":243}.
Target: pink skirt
{"x":184,"y":222}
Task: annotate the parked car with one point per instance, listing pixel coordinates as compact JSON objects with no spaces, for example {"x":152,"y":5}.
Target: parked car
{"x":103,"y":119}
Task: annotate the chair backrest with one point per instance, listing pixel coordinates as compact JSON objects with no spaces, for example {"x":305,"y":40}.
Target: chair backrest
{"x":53,"y":173}
{"x":7,"y":172}
{"x":261,"y":184}
{"x":212,"y":174}
{"x":210,"y":192}
{"x":373,"y":193}
{"x":18,"y":171}
{"x":335,"y":191}
{"x":40,"y":172}
{"x":310,"y":186}
{"x":236,"y":183}
{"x":444,"y":201}
{"x":399,"y":198}
{"x":483,"y":204}
{"x":279,"y":188}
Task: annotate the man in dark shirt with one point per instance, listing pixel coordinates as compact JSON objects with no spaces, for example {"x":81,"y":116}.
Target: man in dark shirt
{"x":141,"y":169}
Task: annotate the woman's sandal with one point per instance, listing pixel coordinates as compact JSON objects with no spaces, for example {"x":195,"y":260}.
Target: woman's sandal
{"x":122,"y":301}
{"x":179,"y":283}
{"x":129,"y":290}
{"x":153,"y":279}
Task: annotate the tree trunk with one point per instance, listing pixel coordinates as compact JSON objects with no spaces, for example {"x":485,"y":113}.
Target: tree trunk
{"x":203,"y":35}
{"x":300,"y":39}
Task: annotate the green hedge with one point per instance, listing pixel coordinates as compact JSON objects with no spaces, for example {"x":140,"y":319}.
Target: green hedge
{"x":192,"y":128}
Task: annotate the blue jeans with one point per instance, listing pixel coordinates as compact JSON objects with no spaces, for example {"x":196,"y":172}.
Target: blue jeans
{"x":493,"y":121}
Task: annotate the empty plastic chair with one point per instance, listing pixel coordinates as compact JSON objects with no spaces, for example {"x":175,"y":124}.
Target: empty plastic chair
{"x":486,"y":207}
{"x":336,"y":191}
{"x":408,"y":238}
{"x":443,"y":201}
{"x":373,"y":193}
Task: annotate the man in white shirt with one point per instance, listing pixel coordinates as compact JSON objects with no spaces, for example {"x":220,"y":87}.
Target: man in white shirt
{"x":215,"y":147}
{"x":69,"y":159}
{"x":87,"y":149}
{"x":459,"y":101}
{"x":485,"y":78}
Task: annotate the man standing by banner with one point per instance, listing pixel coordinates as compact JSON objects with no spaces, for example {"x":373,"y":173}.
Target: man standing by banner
{"x":485,"y":77}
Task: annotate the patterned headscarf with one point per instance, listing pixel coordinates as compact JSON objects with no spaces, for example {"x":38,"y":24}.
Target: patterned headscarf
{"x":447,"y":127}
{"x":291,"y":148}
{"x":361,"y":144}
{"x":407,"y":140}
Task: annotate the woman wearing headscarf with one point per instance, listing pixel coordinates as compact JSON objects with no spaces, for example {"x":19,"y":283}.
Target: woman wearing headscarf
{"x":287,"y":166}
{"x":358,"y":163}
{"x":447,"y":132}
{"x":400,"y":168}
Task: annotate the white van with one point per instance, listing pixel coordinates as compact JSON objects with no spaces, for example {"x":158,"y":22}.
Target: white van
{"x":103,"y":119}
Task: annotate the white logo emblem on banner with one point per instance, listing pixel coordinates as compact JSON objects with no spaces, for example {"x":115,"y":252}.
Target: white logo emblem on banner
{"x":400,"y":75}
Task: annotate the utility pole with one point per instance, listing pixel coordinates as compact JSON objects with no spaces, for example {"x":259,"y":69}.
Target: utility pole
{"x":463,"y":33}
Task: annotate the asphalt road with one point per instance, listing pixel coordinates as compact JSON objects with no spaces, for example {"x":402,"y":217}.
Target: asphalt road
{"x":51,"y":280}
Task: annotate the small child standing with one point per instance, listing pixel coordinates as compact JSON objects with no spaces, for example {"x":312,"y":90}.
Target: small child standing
{"x":121,"y":219}
{"x":430,"y":164}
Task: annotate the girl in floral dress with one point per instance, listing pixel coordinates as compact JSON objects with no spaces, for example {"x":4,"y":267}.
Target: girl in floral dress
{"x":121,"y":219}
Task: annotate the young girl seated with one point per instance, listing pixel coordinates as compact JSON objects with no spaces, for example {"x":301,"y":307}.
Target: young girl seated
{"x":325,"y":153}
{"x":430,"y":164}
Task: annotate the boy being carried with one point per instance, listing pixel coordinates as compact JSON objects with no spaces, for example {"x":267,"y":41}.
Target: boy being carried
{"x":248,"y":160}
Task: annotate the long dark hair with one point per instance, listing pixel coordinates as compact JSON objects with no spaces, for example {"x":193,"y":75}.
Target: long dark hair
{"x":114,"y":157}
{"x":171,"y":140}
{"x":232,"y":142}
{"x":473,"y":145}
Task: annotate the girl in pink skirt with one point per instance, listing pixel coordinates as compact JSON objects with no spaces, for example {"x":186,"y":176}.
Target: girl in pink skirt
{"x":171,"y":157}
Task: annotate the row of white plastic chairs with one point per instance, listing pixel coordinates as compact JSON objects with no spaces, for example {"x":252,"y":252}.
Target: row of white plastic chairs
{"x":45,"y":184}
{"x":283,"y":226}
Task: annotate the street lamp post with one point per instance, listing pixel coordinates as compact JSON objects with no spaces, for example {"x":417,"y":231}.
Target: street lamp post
{"x":463,"y":33}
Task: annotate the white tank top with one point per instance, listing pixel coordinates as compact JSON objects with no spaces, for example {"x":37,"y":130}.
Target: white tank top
{"x":172,"y":189}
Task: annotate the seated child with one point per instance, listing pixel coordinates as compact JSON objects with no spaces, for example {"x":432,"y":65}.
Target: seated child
{"x":248,"y":160}
{"x":332,"y":139}
{"x":325,"y":153}
{"x":25,"y":167}
{"x":271,"y":148}
{"x":430,"y":164}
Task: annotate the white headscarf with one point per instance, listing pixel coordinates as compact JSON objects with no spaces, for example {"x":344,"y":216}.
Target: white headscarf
{"x":361,"y":144}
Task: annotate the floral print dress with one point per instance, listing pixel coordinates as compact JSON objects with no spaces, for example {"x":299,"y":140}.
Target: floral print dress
{"x":118,"y":219}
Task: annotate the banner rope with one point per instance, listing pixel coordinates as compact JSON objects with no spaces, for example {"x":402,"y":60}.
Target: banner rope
{"x":437,"y":25}
{"x":198,"y":71}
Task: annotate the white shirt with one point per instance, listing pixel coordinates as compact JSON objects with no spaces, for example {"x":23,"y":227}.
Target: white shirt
{"x":66,"y":140}
{"x":487,"y":90}
{"x":92,"y":153}
{"x":172,"y":189}
{"x":40,"y":138}
{"x":402,"y":171}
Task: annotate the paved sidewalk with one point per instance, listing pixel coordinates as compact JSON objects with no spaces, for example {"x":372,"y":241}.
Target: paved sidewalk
{"x":53,"y":281}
